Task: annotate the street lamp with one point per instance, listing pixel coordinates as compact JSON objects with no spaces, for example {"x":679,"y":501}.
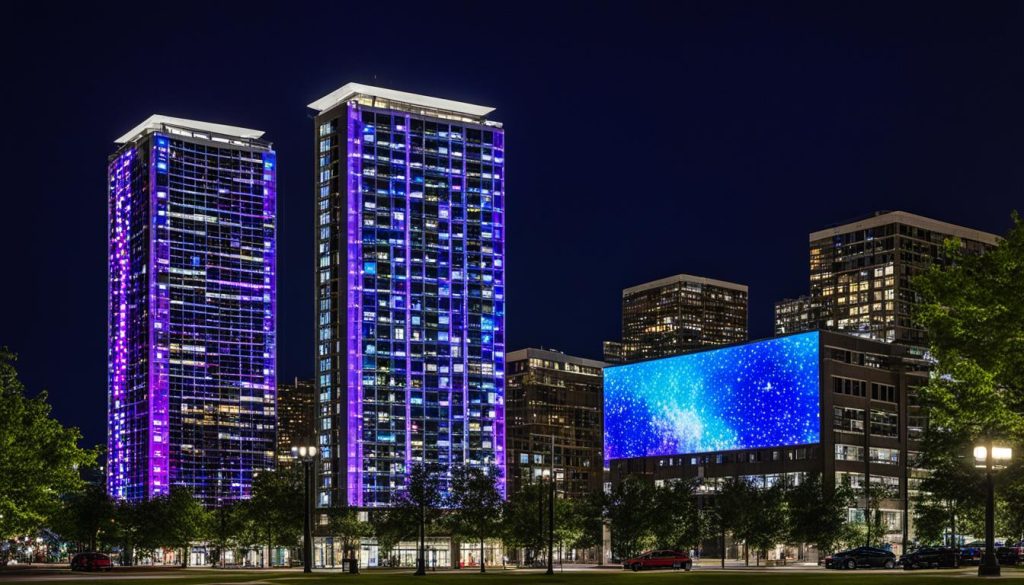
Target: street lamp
{"x":306,"y":454}
{"x":988,"y":456}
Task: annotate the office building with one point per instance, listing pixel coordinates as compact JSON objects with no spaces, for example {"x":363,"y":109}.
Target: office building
{"x":772,"y":410}
{"x":410,"y":290}
{"x":295,"y":418}
{"x":681,"y":313}
{"x":191,"y":332}
{"x":612,"y":352}
{"x":861,"y":272}
{"x":553,"y":409}
{"x":796,"y":315}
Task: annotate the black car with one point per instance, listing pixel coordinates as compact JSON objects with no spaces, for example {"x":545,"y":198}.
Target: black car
{"x":864,"y":556}
{"x":931,"y":557}
{"x":1008,"y":555}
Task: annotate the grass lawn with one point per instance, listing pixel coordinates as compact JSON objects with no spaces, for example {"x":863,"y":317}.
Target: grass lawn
{"x":593,"y":577}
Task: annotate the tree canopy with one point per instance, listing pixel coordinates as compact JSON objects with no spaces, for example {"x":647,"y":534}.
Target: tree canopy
{"x":39,"y":457}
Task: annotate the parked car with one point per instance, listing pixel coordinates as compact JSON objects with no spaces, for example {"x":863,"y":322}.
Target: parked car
{"x":931,"y":557}
{"x":864,"y":556}
{"x":1008,"y":555}
{"x":660,"y":559}
{"x":91,"y":561}
{"x":971,"y":552}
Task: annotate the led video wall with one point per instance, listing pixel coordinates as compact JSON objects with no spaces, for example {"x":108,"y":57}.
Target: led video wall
{"x":760,"y":394}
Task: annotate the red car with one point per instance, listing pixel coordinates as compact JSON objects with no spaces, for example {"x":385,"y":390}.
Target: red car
{"x":660,"y":559}
{"x":91,"y":562}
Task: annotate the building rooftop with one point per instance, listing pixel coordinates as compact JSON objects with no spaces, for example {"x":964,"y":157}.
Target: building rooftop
{"x":881,"y":218}
{"x":351,"y":90}
{"x":683,"y":278}
{"x":157,"y":122}
{"x":552,"y":355}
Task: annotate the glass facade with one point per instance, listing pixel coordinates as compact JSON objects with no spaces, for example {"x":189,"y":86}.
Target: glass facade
{"x":192,"y":329}
{"x":554,"y":409}
{"x":681,"y":313}
{"x":410,"y":295}
{"x":861,"y":273}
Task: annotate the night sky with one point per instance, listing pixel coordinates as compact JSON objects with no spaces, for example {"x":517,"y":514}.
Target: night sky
{"x":642,"y":141}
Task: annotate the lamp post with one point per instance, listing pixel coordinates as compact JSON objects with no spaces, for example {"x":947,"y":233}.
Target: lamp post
{"x":306,"y":454}
{"x":986,"y":456}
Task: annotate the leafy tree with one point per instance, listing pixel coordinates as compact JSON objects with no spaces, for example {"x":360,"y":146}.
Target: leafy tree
{"x":226,"y":526}
{"x":180,"y":520}
{"x":345,"y":523}
{"x":629,"y":510}
{"x":523,"y":518}
{"x":39,"y":457}
{"x":420,"y":498}
{"x":768,"y":524}
{"x":734,"y":511}
{"x":578,"y":522}
{"x":476,"y":505}
{"x":675,"y":521}
{"x":389,"y":528}
{"x":973,"y":309}
{"x":83,"y":515}
{"x":276,"y":508}
{"x":818,"y":512}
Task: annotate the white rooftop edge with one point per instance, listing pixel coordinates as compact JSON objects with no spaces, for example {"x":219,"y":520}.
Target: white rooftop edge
{"x":553,"y":355}
{"x":347,"y":91}
{"x":683,"y":278}
{"x":909,"y":219}
{"x":156,"y":121}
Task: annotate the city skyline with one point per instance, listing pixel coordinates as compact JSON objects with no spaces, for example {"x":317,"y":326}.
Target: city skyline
{"x":750,"y":170}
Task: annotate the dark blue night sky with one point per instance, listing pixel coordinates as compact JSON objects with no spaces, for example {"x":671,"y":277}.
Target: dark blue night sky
{"x":761,"y":394}
{"x":644,"y":139}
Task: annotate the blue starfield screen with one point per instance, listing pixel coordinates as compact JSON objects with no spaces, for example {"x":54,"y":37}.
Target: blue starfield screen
{"x":760,"y":394}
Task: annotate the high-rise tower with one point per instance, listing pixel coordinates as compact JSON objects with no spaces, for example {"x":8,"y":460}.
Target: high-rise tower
{"x":191,"y":331}
{"x":410,"y":290}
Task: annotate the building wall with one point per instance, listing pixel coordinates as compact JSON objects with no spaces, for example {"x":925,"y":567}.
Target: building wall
{"x":295,"y":418}
{"x":796,"y":315}
{"x":410,"y":296}
{"x":554,"y":396}
{"x":883,"y":379}
{"x":679,"y":314}
{"x":192,"y":339}
{"x":861,"y":273}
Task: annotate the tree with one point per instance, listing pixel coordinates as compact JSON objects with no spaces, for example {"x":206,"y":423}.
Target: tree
{"x":578,"y":522}
{"x":420,"y":498}
{"x":768,"y":524}
{"x":523,"y":518}
{"x":973,"y":309}
{"x":344,"y":522}
{"x":180,"y":520}
{"x":226,"y":525}
{"x":675,"y":521}
{"x":818,"y":512}
{"x":276,"y":508}
{"x":733,"y":505}
{"x":83,"y":515}
{"x":389,"y":528}
{"x":629,"y":510}
{"x":39,"y":457}
{"x":476,"y":505}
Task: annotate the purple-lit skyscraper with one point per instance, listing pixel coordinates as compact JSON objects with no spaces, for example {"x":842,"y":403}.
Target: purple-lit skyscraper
{"x":410,"y":281}
{"x":191,"y":330}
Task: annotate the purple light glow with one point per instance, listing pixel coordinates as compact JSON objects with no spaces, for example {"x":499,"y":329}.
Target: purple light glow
{"x":354,"y":315}
{"x":118,"y":270}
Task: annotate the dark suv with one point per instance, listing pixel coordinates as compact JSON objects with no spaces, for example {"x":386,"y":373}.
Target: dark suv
{"x":864,"y":556}
{"x":931,"y":556}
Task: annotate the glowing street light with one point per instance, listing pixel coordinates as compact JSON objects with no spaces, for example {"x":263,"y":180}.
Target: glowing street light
{"x":990,"y":458}
{"x":306,"y":454}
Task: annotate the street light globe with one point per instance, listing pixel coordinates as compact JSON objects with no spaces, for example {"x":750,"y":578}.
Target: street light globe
{"x":312,"y":451}
{"x":302,"y":451}
{"x":998,"y":453}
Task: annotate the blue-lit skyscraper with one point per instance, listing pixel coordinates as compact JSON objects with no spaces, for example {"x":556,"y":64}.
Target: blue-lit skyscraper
{"x":410,"y":288}
{"x":191,"y":330}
